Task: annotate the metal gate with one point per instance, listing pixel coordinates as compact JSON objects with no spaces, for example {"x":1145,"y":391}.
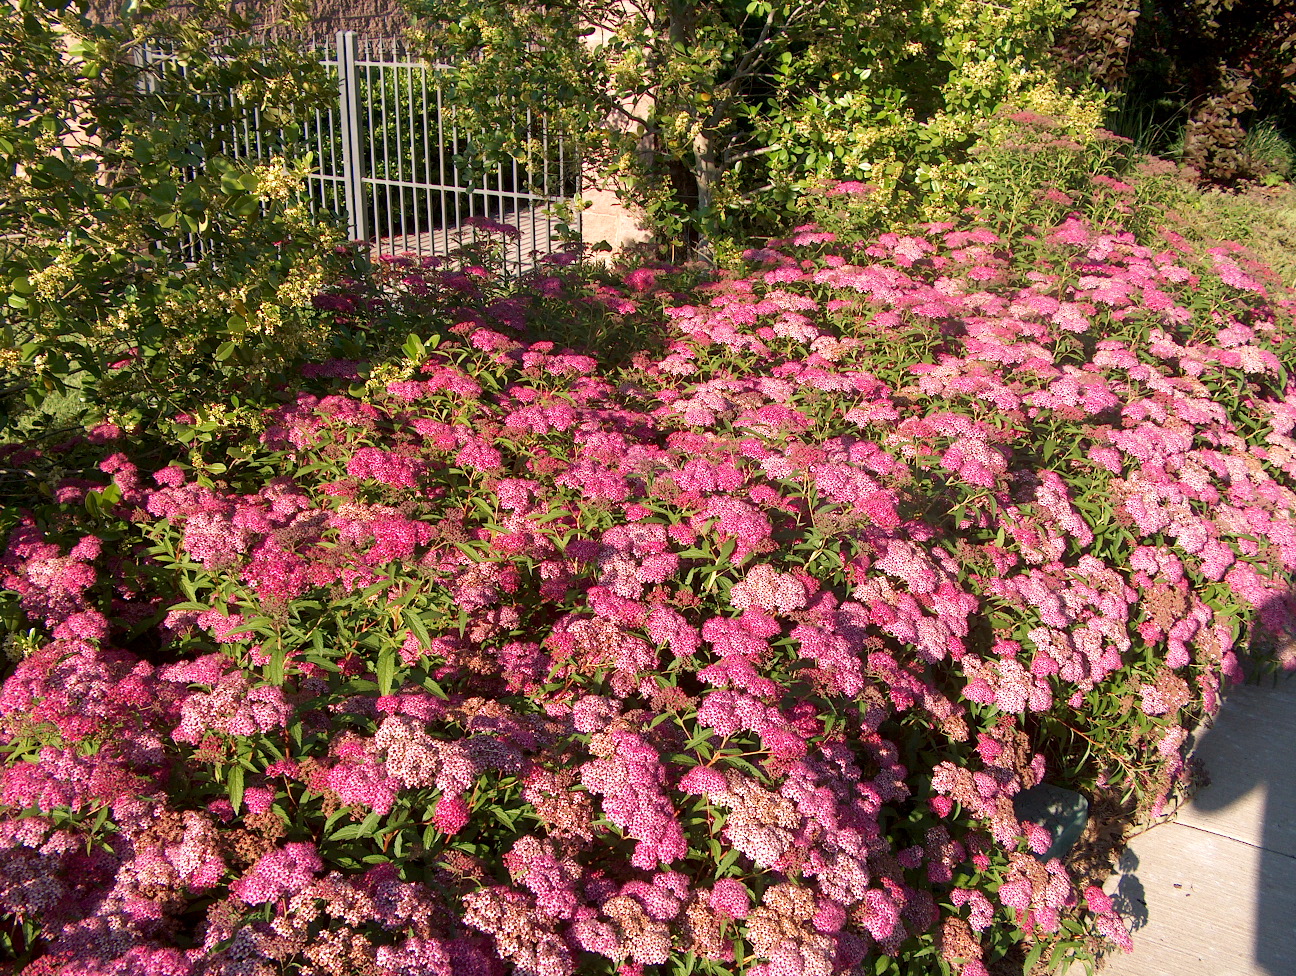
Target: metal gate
{"x":405,"y":158}
{"x":394,"y":163}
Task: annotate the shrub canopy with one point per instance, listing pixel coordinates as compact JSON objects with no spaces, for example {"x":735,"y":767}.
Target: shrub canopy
{"x":149,"y":253}
{"x":733,"y":658}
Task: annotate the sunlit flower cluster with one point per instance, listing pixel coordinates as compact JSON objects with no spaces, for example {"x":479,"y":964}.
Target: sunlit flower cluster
{"x":507,"y":659}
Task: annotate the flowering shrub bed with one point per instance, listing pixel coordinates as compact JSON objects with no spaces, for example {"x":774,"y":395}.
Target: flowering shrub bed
{"x":731,"y":660}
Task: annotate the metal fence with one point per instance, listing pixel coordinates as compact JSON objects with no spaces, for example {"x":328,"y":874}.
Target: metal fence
{"x":395,"y":164}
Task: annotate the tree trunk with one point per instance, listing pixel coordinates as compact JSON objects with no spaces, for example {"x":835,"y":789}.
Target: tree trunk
{"x":706,"y":173}
{"x":705,"y":170}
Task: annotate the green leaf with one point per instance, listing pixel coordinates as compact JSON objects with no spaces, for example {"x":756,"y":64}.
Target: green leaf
{"x":244,"y":205}
{"x":1033,"y":957}
{"x":373,"y":589}
{"x":235,"y":784}
{"x":253,"y":625}
{"x":744,"y":765}
{"x":357,"y":831}
{"x":414,"y":348}
{"x":415,"y":623}
{"x":275,"y":669}
{"x":163,"y":193}
{"x":224,"y":351}
{"x":507,"y":817}
{"x":333,"y":818}
{"x":702,"y":735}
{"x":386,"y":669}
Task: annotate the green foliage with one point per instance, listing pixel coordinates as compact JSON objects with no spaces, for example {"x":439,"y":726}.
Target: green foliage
{"x":907,"y":100}
{"x":141,"y":263}
{"x":1199,"y":72}
{"x":1269,"y":152}
{"x":659,"y":95}
{"x":1029,"y":168}
{"x":1263,"y":217}
{"x":714,"y":117}
{"x":1024,"y":168}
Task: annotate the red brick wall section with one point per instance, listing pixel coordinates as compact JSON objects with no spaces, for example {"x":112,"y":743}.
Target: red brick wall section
{"x":369,"y":18}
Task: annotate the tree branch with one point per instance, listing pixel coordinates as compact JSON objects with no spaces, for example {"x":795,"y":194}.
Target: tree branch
{"x":750,"y":154}
{"x":621,"y":109}
{"x":749,"y":58}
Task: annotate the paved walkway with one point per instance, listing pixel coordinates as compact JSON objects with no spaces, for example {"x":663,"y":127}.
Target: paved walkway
{"x":536,"y":225}
{"x":1213,"y":893}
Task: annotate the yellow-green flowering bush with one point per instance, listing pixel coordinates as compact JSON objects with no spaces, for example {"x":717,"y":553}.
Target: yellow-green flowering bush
{"x":138,"y":261}
{"x":911,"y":114}
{"x":715,"y":117}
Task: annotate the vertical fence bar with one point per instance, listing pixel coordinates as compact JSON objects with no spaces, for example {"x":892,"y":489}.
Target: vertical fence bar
{"x":427,"y":163}
{"x":516,"y":216}
{"x":371,"y":143}
{"x":316,"y":179}
{"x":545,"y":161}
{"x":528,"y":170}
{"x":458,"y":181}
{"x":386,"y":151}
{"x":414,"y":180}
{"x":441,"y":164}
{"x":259,"y":151}
{"x":349,"y":110}
{"x":392,"y":149}
{"x":338,"y":207}
{"x":398,"y":142}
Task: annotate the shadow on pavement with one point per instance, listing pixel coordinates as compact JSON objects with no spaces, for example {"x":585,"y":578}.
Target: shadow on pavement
{"x":1129,"y":897}
{"x":1252,"y":747}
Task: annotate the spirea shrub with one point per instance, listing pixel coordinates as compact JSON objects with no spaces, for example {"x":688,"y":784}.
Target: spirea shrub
{"x":731,"y":660}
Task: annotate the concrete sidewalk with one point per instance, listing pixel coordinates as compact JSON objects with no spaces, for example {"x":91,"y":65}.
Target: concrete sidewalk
{"x":1213,"y":893}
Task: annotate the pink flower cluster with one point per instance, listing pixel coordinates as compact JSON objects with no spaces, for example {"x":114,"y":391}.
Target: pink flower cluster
{"x":739,"y":652}
{"x":52,"y":584}
{"x":232,"y":708}
{"x":627,"y":773}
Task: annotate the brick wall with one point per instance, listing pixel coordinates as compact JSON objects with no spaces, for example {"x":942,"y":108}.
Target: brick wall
{"x":372,"y":18}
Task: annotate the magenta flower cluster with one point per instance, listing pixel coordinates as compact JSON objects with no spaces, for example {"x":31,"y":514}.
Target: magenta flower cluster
{"x":744,"y":650}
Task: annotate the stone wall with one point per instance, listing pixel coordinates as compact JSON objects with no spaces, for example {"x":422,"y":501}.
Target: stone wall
{"x":371,"y":18}
{"x":608,"y":219}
